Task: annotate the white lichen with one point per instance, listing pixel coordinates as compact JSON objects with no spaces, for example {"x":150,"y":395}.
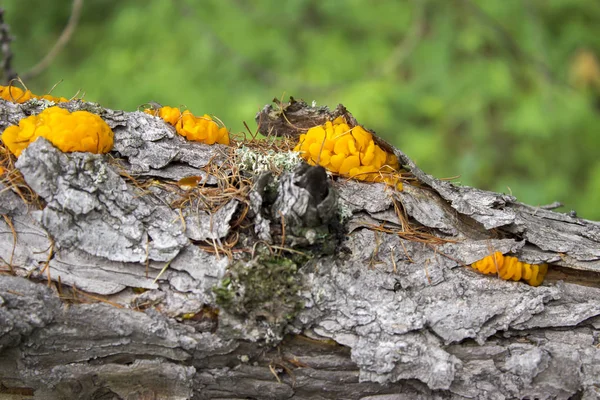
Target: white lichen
{"x":41,"y":103}
{"x":257,"y":162}
{"x":344,"y":211}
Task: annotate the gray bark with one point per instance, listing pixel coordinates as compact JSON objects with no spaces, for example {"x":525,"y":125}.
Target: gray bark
{"x":347,"y":312}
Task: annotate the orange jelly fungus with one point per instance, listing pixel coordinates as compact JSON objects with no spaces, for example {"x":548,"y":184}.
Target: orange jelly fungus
{"x":18,"y":95}
{"x":510,"y":268}
{"x":68,"y":131}
{"x":199,"y":129}
{"x":349,"y":152}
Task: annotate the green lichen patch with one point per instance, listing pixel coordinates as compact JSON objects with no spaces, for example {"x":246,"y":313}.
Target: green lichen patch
{"x":265,"y":289}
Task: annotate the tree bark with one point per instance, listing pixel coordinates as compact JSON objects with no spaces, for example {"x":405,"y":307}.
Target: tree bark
{"x":120,"y":283}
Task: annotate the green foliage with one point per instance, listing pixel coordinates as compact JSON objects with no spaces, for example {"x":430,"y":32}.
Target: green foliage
{"x":480,"y":89}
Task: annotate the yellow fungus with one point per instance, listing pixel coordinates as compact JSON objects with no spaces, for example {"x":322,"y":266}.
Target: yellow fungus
{"x":361,"y":137}
{"x":189,"y":182}
{"x":369,"y":154}
{"x":348,"y":164}
{"x":200,"y":129}
{"x":315,"y":150}
{"x":325,"y":157}
{"x":510,"y":268}
{"x":15,"y":94}
{"x":68,"y":131}
{"x":18,"y":95}
{"x":342,"y":144}
{"x":380,"y":157}
{"x":367,"y":170}
{"x":350,"y":152}
{"x":169,"y":114}
{"x":538,"y":272}
{"x":53,"y":98}
{"x":336,"y":162}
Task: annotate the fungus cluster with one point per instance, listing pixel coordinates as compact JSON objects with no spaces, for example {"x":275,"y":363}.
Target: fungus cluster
{"x":510,"y":268}
{"x":350,"y":152}
{"x":18,"y":95}
{"x":200,"y":129}
{"x":68,"y":131}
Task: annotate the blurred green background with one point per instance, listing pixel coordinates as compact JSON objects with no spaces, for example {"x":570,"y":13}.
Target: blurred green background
{"x":504,"y":93}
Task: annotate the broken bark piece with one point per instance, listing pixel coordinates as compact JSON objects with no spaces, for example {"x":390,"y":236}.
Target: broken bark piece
{"x":298,"y":208}
{"x":23,"y":241}
{"x":296,"y":117}
{"x":203,"y":225}
{"x":90,"y":207}
{"x":150,"y":144}
{"x":305,"y":198}
{"x":372,"y":197}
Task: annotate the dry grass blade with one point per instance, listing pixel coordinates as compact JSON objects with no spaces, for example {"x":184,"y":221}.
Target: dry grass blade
{"x":75,"y":296}
{"x":446,"y":255}
{"x":147,"y":261}
{"x":290,"y":250}
{"x":260,"y":143}
{"x":274,"y":372}
{"x":406,"y":252}
{"x":427,"y":270}
{"x":142,"y":186}
{"x":14,"y":233}
{"x":393,"y":258}
{"x":13,"y":180}
{"x":282,"y":231}
{"x":409,"y":232}
{"x":162,"y":271}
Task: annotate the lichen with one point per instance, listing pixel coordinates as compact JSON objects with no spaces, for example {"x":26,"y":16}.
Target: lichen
{"x":42,"y":103}
{"x":344,"y":212}
{"x":265,"y":288}
{"x":257,"y":162}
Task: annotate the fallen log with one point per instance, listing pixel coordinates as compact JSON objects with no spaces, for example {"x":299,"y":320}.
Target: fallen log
{"x":122,"y":279}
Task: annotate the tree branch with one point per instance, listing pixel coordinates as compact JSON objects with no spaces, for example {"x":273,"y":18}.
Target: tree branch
{"x":8,"y":73}
{"x":62,"y":41}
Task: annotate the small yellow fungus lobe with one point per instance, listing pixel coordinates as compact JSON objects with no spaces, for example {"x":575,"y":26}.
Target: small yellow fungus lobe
{"x":68,"y":131}
{"x":15,"y":94}
{"x":189,"y":182}
{"x":510,"y":268}
{"x":18,"y":95}
{"x":349,"y":152}
{"x":200,"y":129}
{"x":169,"y":114}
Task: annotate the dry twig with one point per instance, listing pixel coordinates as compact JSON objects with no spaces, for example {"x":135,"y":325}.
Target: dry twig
{"x":62,"y":41}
